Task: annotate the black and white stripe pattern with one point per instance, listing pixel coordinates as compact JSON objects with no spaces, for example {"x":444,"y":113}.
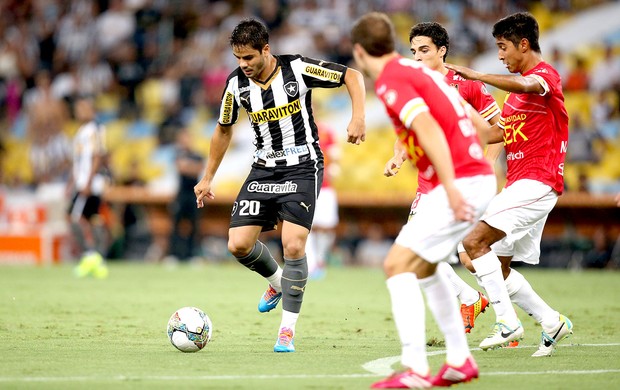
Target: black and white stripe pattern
{"x":280,"y":111}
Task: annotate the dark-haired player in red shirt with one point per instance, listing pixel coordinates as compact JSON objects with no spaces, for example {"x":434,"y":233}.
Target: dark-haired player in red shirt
{"x":535,"y":124}
{"x":430,"y":45}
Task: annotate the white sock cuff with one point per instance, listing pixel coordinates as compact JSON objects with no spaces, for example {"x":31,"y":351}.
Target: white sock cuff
{"x":486,"y":264}
{"x":398,"y":279}
{"x":460,"y":248}
{"x":514,"y":282}
{"x":430,"y":280}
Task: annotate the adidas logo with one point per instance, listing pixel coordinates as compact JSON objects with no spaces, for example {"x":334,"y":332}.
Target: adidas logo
{"x":414,"y":382}
{"x":453,"y":375}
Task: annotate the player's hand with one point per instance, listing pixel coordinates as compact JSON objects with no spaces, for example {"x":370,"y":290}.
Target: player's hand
{"x":463,"y":71}
{"x":202,"y":190}
{"x":462,"y":210}
{"x":356,"y":131}
{"x":618,"y":200}
{"x":392,"y":166}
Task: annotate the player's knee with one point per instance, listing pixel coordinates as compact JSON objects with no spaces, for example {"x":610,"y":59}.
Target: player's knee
{"x":239,"y":247}
{"x":472,"y":245}
{"x":294,"y":248}
{"x":392,"y":267}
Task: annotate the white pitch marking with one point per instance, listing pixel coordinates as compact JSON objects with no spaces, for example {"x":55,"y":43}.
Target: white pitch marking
{"x":379,"y":365}
{"x":383,"y":366}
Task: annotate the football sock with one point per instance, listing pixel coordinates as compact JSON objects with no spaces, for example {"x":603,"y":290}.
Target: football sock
{"x":80,"y":238}
{"x":276,"y":280}
{"x":488,"y":269}
{"x":524,"y":296}
{"x":289,"y":320}
{"x":465,"y":293}
{"x":410,"y":316}
{"x":324,"y":242}
{"x":294,"y":278}
{"x":260,"y":260}
{"x":312,"y":253}
{"x":444,"y":306}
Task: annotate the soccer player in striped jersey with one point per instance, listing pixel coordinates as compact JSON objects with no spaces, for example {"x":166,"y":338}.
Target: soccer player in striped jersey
{"x":287,"y":171}
{"x":438,"y":135}
{"x":535,"y":125}
{"x":87,"y":183}
{"x":430,"y":44}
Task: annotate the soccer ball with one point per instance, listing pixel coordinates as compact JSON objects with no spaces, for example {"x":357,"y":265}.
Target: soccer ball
{"x":189,"y":329}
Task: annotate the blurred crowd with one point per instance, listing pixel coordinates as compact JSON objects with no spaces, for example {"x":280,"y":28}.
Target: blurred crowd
{"x":161,"y":65}
{"x":54,"y":50}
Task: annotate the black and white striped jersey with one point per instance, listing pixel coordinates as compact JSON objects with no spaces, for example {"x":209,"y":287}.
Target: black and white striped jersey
{"x":280,"y":110}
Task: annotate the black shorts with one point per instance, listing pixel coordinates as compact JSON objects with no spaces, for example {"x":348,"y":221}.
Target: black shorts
{"x":278,"y":193}
{"x":84,"y":206}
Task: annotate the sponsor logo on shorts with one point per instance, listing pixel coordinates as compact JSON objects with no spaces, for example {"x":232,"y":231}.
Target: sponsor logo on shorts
{"x":305,"y":206}
{"x":276,"y":113}
{"x":234,"y":208}
{"x":273,"y":188}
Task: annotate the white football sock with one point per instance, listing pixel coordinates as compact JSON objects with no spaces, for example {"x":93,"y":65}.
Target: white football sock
{"x":289,"y":320}
{"x":524,"y":296}
{"x":466,"y":293}
{"x":276,"y":280}
{"x":325,"y":241}
{"x":312,"y":253}
{"x":445,"y":309}
{"x":409,"y":317}
{"x":489,"y":270}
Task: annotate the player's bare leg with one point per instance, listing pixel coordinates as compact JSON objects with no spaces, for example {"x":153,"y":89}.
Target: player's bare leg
{"x":488,"y":269}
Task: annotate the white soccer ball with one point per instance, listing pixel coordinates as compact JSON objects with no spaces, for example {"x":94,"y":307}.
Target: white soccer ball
{"x":189,"y":329}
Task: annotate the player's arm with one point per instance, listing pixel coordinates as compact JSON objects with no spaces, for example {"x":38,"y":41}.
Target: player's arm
{"x":510,"y":83}
{"x":433,"y":141}
{"x":393,"y":165}
{"x":219,"y":145}
{"x":489,"y":133}
{"x":356,"y":131}
{"x":495,"y":140}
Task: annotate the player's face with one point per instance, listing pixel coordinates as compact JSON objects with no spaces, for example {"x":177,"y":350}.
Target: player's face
{"x":251,"y":61}
{"x":424,"y":50}
{"x":509,"y":54}
{"x":84,"y":110}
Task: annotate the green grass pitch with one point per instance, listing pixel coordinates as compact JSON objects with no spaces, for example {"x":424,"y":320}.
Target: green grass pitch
{"x":60,"y":332}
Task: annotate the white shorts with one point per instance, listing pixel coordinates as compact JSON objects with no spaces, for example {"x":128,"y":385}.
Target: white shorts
{"x":521,"y":211}
{"x":326,"y":211}
{"x":432,"y":232}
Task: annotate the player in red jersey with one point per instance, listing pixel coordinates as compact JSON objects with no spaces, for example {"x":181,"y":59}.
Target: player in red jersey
{"x":535,"y":125}
{"x":430,"y":44}
{"x":438,"y":136}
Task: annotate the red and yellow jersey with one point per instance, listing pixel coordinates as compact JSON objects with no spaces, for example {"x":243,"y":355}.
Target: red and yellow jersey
{"x":408,"y":88}
{"x":536,"y":131}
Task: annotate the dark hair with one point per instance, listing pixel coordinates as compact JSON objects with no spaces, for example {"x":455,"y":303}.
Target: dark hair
{"x":375,"y":33}
{"x":516,"y":27}
{"x":250,"y":32}
{"x":435,"y":31}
